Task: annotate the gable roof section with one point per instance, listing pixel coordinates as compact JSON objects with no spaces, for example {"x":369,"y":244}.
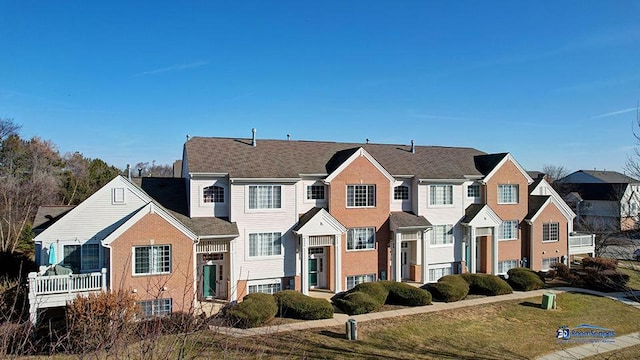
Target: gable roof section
{"x":595,"y":191}
{"x":489,"y":165}
{"x":290,"y":159}
{"x":537,"y":203}
{"x":47,"y":215}
{"x":400,"y":220}
{"x":315,"y":221}
{"x":560,"y":202}
{"x":356,"y":154}
{"x":480,"y":215}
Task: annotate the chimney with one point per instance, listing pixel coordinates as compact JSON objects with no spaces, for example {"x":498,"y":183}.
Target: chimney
{"x":253,"y":139}
{"x":413,"y":147}
{"x":129,"y":172}
{"x":288,"y":137}
{"x":139,"y":172}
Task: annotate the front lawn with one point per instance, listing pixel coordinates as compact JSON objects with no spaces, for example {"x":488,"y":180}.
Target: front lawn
{"x":631,"y":268}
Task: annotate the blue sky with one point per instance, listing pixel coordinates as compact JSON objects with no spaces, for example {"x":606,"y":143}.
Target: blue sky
{"x":553,"y":82}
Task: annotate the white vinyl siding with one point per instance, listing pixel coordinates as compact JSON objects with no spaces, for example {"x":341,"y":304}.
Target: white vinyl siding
{"x":508,"y":230}
{"x":354,"y":280}
{"x":547,"y":263}
{"x":504,"y":266}
{"x":437,"y":272}
{"x":265,"y":244}
{"x":441,"y":195}
{"x":442,"y":235}
{"x":155,"y":307}
{"x":361,"y":238}
{"x":550,"y":232}
{"x":151,"y":260}
{"x":507,"y":194}
{"x":265,"y":197}
{"x":361,"y":195}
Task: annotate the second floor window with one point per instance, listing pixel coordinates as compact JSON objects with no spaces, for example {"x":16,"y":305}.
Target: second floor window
{"x":315,"y":192}
{"x":361,"y":238}
{"x":265,"y":244}
{"x":441,"y":195}
{"x":550,"y":232}
{"x":508,"y":230}
{"x":81,"y":257}
{"x":442,"y":235}
{"x":401,"y":192}
{"x":473,"y":191}
{"x":213,"y":194}
{"x":507,"y":194}
{"x":265,"y":197}
{"x":361,"y":195}
{"x":149,"y":260}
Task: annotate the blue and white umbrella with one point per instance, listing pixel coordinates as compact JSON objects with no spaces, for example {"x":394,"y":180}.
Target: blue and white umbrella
{"x":52,"y":254}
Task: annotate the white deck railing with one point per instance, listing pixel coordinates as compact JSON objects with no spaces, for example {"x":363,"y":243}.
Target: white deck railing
{"x":581,"y":240}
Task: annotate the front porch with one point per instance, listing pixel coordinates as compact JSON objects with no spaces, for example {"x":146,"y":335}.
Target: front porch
{"x":214,"y":265}
{"x":480,"y":241}
{"x":408,"y":249}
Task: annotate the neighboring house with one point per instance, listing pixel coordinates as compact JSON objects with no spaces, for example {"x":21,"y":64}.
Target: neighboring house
{"x":261,"y":216}
{"x":602,"y":200}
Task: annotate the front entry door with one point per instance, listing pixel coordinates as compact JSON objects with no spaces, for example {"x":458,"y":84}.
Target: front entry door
{"x":313,"y":272}
{"x":404,"y":259}
{"x":317,"y":275}
{"x":209,"y":281}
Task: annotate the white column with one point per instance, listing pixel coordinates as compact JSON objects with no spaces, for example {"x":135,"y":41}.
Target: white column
{"x":494,"y":250}
{"x":397,"y":262}
{"x":423,"y":254}
{"x":473,"y":267}
{"x":233,"y":278}
{"x":338,"y":263}
{"x":304,"y":262}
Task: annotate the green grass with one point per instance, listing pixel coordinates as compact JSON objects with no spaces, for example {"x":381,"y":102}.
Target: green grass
{"x":506,"y":330}
{"x":631,"y":268}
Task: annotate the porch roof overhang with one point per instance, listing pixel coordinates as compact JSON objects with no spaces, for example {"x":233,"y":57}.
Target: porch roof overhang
{"x":406,"y":221}
{"x":318,"y":221}
{"x":481,"y":215}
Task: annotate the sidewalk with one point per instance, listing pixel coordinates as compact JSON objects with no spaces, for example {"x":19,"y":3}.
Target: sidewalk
{"x":576,"y":352}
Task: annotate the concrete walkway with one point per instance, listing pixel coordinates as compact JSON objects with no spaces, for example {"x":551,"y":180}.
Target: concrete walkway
{"x":340,"y":320}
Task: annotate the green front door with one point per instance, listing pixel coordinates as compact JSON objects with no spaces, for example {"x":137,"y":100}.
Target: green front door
{"x":313,"y":272}
{"x":209,"y":281}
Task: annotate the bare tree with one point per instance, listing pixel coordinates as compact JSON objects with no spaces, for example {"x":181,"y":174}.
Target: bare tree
{"x":153,"y":169}
{"x":632,"y":165}
{"x":8,"y":127}
{"x":554,"y":172}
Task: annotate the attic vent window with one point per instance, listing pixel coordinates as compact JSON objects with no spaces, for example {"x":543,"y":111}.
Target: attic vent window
{"x":117,"y":196}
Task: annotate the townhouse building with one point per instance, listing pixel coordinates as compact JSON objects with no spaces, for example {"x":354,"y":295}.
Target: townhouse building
{"x":249,"y":215}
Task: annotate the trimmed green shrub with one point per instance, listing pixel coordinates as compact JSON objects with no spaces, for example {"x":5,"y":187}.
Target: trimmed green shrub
{"x":376,"y":290}
{"x":255,"y":309}
{"x":358,"y":302}
{"x":523,"y":279}
{"x":600,"y":263}
{"x":299,"y":306}
{"x":449,"y":288}
{"x":405,"y":294}
{"x":486,"y":284}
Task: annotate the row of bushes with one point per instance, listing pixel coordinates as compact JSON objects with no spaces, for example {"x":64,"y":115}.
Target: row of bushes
{"x":451,"y":288}
{"x":597,"y":273}
{"x":368,"y":297}
{"x":257,"y":308}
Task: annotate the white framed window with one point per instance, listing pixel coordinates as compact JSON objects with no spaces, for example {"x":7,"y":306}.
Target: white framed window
{"x":316,"y":251}
{"x":473,"y":191}
{"x":117,"y":196}
{"x":315,"y":192}
{"x":156,"y":307}
{"x":547,"y":263}
{"x":550,"y":232}
{"x":437,"y":272}
{"x":441,"y":195}
{"x":361,"y":238}
{"x":271,"y":287}
{"x":401,"y":192}
{"x":152,"y":260}
{"x":361,"y":195}
{"x":442,"y":235}
{"x":265,"y":244}
{"x":79,"y":258}
{"x":508,"y":194}
{"x":213,"y":194}
{"x":504,"y":266}
{"x":508,"y":230}
{"x":354,"y":280}
{"x":265,"y":197}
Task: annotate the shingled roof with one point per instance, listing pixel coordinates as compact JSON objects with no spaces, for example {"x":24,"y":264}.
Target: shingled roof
{"x":47,"y":215}
{"x":603,"y":176}
{"x":290,"y":159}
{"x":486,"y":163}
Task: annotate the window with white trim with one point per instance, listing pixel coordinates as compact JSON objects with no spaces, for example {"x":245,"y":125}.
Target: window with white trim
{"x":265,"y":197}
{"x":547,"y":263}
{"x":508,"y":230}
{"x":441,"y":195}
{"x":473,"y":191}
{"x":506,"y":265}
{"x":550,"y":232}
{"x":85,"y":257}
{"x":213,"y":194}
{"x":442,"y":234}
{"x":354,"y":280}
{"x":361,"y":195}
{"x":401,"y":192}
{"x":270,"y":288}
{"x":155,"y":307}
{"x":315,"y":192}
{"x":361,"y":238}
{"x":118,"y":196}
{"x":436,"y":273}
{"x":151,"y":260}
{"x":265,"y":244}
{"x":508,"y":194}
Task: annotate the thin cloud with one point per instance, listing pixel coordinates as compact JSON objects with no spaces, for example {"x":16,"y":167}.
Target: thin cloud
{"x":614,"y":113}
{"x":178,"y":67}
